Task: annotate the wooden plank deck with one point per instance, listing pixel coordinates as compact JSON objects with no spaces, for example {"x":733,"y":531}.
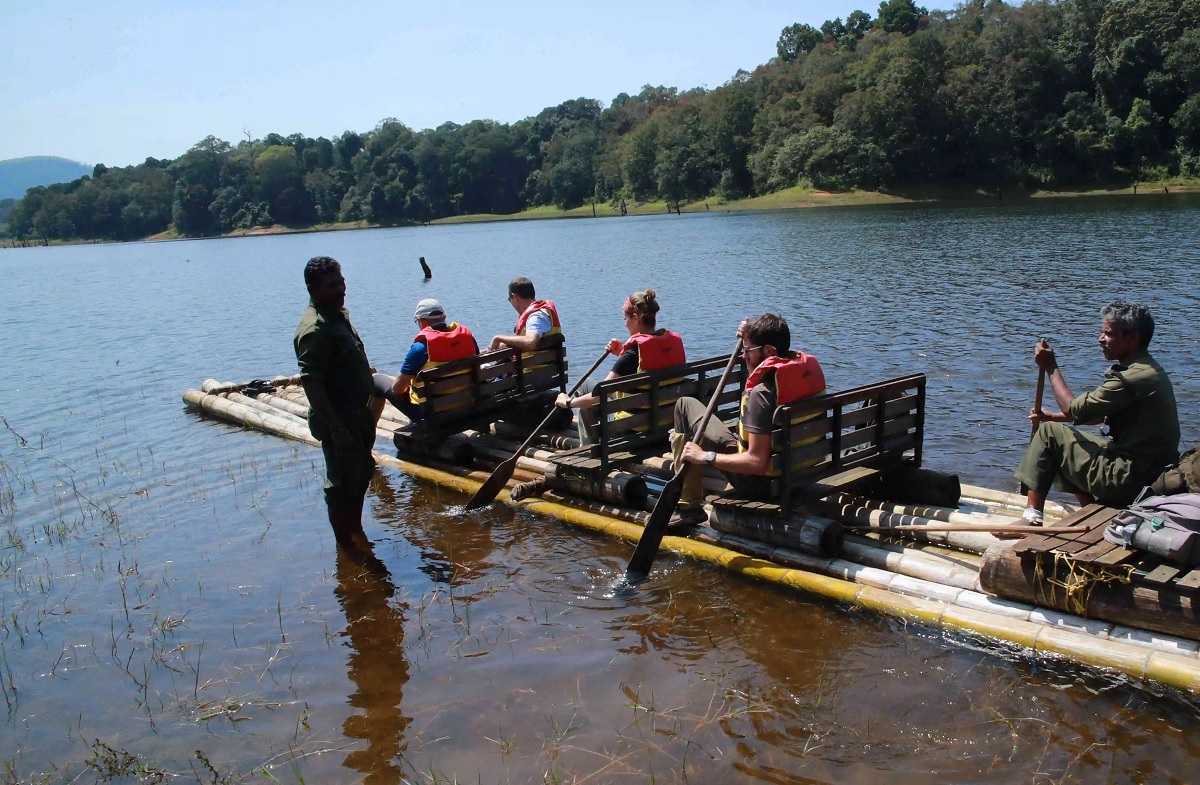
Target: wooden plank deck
{"x":1084,"y":573}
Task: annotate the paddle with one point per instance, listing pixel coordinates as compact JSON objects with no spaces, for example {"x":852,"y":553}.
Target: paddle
{"x":504,"y":472}
{"x":1037,"y":401}
{"x":1037,"y":407}
{"x":664,"y":508}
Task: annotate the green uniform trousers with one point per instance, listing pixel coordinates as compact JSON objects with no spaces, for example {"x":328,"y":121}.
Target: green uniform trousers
{"x":1080,"y":462}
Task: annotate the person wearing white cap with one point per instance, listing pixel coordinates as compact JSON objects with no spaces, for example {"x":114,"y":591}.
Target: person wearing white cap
{"x":436,"y":343}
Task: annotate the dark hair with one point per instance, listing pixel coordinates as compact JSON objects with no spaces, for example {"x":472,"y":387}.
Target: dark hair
{"x":643,"y":305}
{"x":522,"y":287}
{"x":318,"y":267}
{"x":768,"y":330}
{"x":1130,"y":317}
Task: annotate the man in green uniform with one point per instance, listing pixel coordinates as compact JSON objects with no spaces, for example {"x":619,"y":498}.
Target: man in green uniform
{"x":1136,"y":402}
{"x":337,"y":378}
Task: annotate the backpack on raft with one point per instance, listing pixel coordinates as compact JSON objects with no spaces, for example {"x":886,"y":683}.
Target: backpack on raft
{"x":1181,"y":478}
{"x":1166,"y":526}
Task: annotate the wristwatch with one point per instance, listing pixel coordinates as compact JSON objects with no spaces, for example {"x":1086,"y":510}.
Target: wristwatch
{"x":709,"y":457}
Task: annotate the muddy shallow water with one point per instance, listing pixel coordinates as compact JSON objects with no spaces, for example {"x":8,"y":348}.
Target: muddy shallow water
{"x":171,"y":602}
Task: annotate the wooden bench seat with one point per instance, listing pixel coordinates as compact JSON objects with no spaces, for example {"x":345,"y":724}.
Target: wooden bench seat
{"x":636,"y":412}
{"x":478,"y":390}
{"x":837,"y":440}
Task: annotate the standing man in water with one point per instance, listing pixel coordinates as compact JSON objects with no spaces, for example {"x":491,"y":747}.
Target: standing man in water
{"x":1136,"y":402}
{"x":337,"y":378}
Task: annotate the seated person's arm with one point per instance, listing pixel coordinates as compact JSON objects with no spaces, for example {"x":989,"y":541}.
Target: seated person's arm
{"x":414,"y":361}
{"x":626,"y":364}
{"x":403,"y":383}
{"x":1092,"y":407}
{"x":587,"y":401}
{"x":536,"y":326}
{"x":525,"y":343}
{"x":755,"y":460}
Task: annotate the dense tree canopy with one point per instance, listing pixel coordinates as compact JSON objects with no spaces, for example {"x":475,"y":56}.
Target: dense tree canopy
{"x":1044,"y":94}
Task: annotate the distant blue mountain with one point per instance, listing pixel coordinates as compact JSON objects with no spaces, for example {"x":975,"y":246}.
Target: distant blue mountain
{"x":17,"y":175}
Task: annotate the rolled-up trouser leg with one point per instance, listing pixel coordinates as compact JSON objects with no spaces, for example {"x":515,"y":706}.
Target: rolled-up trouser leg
{"x":586,"y":419}
{"x":716,"y":437}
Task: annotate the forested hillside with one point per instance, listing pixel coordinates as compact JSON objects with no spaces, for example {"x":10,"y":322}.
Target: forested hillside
{"x":17,"y":175}
{"x":1040,"y":95}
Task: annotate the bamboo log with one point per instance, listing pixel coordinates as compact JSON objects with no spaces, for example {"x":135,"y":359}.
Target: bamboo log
{"x":800,"y":531}
{"x":618,"y":487}
{"x":966,"y":599}
{"x":1064,"y":585}
{"x":263,"y":406}
{"x":558,"y":440}
{"x":244,"y":415}
{"x":1011,"y":500}
{"x":1013,"y":528}
{"x":913,"y":563}
{"x":971,"y":541}
{"x":292,"y":407}
{"x":917,"y":512}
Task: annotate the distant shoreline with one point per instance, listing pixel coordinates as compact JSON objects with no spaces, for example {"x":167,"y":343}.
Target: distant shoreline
{"x":796,"y":198}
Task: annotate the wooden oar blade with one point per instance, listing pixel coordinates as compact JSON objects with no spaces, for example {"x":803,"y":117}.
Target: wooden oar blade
{"x":656,"y":526}
{"x":492,"y":486}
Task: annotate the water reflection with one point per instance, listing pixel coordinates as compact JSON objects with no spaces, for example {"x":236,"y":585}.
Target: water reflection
{"x":452,"y":545}
{"x":376,"y":665}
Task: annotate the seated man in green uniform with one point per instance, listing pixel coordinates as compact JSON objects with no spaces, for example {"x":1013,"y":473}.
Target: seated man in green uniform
{"x":336,"y":377}
{"x":1136,"y":402}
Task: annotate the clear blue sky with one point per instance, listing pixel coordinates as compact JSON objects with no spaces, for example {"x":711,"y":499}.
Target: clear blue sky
{"x":115,"y":82}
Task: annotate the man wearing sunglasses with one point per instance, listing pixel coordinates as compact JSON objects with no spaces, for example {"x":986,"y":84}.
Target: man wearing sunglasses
{"x":778,"y":376}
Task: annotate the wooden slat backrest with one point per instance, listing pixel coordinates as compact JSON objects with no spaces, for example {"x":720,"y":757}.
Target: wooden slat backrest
{"x":473,"y":388}
{"x":639,"y":409}
{"x":873,"y":425}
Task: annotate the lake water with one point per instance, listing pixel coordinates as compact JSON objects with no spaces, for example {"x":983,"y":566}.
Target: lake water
{"x":172,"y":603}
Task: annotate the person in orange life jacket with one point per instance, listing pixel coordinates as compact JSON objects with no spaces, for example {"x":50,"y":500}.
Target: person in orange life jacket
{"x":436,"y":343}
{"x":778,"y":376}
{"x":647,"y":349}
{"x":538,"y":319}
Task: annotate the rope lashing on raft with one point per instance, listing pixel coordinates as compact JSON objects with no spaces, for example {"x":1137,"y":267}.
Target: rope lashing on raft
{"x":1077,"y":581}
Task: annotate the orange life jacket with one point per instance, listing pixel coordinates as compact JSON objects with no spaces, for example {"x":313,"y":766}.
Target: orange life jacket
{"x":453,"y":344}
{"x":795,"y":377}
{"x":539,"y":305}
{"x":660,"y":349}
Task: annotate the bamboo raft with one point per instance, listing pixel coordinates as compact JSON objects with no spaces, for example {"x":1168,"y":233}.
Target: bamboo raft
{"x":938,"y":566}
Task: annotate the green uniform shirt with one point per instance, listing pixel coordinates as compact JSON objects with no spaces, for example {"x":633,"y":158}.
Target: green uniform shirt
{"x":329,"y":352}
{"x":1138,"y":404}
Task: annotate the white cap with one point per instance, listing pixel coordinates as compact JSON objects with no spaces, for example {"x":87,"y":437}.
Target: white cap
{"x":428,"y":308}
